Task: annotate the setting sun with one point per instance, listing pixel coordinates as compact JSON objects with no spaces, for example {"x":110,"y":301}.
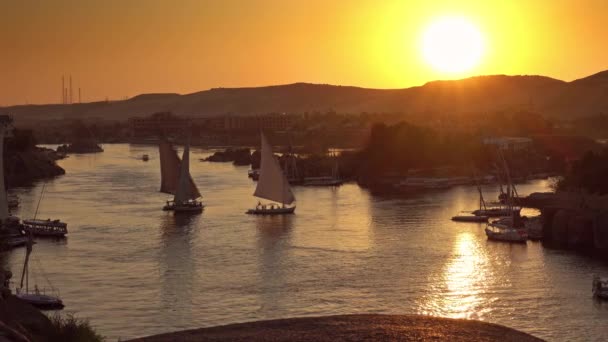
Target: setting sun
{"x":452,"y":45}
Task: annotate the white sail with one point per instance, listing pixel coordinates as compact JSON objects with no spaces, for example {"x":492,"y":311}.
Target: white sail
{"x":170,"y":171}
{"x":272,"y":184}
{"x":186,"y":189}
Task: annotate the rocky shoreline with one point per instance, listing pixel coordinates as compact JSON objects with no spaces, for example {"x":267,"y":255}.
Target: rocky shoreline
{"x":29,"y":165}
{"x":351,"y":328}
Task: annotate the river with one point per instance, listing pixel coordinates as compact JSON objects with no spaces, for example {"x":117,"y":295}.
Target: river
{"x":134,"y":270}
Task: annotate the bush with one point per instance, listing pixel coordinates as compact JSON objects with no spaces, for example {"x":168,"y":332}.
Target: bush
{"x":71,"y":329}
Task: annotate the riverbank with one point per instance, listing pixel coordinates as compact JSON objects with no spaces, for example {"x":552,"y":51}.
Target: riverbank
{"x":29,"y":165}
{"x":351,"y":328}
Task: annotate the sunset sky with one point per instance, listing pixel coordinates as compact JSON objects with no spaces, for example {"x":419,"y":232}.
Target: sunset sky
{"x":119,"y":48}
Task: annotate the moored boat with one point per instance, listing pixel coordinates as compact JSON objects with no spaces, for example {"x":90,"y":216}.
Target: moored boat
{"x":496,"y":212}
{"x":600,"y":287}
{"x":37,"y":297}
{"x":470,"y":218}
{"x":510,"y":228}
{"x":48,"y":227}
{"x":41,"y":300}
{"x":506,"y":233}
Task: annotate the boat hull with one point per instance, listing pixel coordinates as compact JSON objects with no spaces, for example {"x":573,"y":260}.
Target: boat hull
{"x":40,"y":301}
{"x":495,"y":212}
{"x":46,"y":228}
{"x":470,"y":218}
{"x":511,"y":235}
{"x":600,"y":288}
{"x":188,"y":207}
{"x":269,"y":211}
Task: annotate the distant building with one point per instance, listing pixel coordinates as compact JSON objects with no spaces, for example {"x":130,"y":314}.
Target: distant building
{"x":162,"y":123}
{"x":509,"y":143}
{"x":167,"y":123}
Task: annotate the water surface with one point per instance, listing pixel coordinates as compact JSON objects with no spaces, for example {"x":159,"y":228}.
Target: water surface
{"x":135,"y":270}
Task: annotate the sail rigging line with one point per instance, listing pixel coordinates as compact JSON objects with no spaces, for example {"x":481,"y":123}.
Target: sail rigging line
{"x":39,"y":200}
{"x":41,"y":270}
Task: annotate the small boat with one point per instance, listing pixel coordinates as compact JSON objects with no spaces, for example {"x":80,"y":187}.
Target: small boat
{"x":470,"y":218}
{"x":176,"y":180}
{"x":496,"y":212}
{"x":47,"y":227}
{"x":145,"y":157}
{"x":271,"y":209}
{"x":272,"y":185}
{"x":506,"y":233}
{"x":253,"y":173}
{"x":41,"y":300}
{"x":600,"y":287}
{"x":36,"y":298}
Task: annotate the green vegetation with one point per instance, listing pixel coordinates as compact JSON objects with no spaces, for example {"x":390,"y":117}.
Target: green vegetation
{"x":71,"y":329}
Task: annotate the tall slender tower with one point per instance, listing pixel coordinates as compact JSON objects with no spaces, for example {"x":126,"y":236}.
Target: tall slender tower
{"x":62,"y":89}
{"x":71,"y":90}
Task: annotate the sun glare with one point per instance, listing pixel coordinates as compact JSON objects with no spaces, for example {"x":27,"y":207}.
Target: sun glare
{"x":452,"y":45}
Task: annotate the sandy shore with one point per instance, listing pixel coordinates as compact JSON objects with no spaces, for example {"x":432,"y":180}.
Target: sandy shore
{"x":351,"y":328}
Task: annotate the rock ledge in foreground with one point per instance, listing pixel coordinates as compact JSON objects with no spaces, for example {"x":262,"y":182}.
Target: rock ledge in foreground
{"x":351,"y":328}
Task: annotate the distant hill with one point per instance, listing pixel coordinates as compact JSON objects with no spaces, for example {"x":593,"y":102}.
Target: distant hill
{"x":550,"y":97}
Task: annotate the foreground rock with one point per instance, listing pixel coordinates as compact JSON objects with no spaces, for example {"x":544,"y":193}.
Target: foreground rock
{"x":351,"y":328}
{"x":20,"y":321}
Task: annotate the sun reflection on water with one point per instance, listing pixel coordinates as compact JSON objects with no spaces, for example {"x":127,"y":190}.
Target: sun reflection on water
{"x":459,"y":290}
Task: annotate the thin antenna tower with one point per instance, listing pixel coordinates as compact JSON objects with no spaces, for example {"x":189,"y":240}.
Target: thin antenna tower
{"x":71,"y":89}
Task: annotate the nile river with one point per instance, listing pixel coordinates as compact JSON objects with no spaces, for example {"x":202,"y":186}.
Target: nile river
{"x":135,"y":270}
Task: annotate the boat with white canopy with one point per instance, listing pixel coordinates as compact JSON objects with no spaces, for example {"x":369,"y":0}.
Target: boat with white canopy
{"x":273,"y":186}
{"x":176,"y":179}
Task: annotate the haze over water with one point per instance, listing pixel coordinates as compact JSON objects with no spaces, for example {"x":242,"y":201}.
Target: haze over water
{"x":135,"y":270}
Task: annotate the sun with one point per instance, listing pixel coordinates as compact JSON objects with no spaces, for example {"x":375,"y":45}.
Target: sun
{"x":452,"y":45}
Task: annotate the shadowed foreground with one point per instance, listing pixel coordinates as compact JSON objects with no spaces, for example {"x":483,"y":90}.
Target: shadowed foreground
{"x":351,"y":327}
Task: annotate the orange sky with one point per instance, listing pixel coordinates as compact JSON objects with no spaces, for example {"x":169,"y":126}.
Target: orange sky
{"x":119,"y":48}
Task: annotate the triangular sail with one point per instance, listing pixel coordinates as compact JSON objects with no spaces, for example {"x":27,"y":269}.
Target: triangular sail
{"x":186,"y":189}
{"x":272,"y":184}
{"x":170,"y":171}
{"x":169,"y":167}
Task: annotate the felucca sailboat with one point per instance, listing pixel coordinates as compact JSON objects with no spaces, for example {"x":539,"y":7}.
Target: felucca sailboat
{"x":176,"y":179}
{"x":273,"y":186}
